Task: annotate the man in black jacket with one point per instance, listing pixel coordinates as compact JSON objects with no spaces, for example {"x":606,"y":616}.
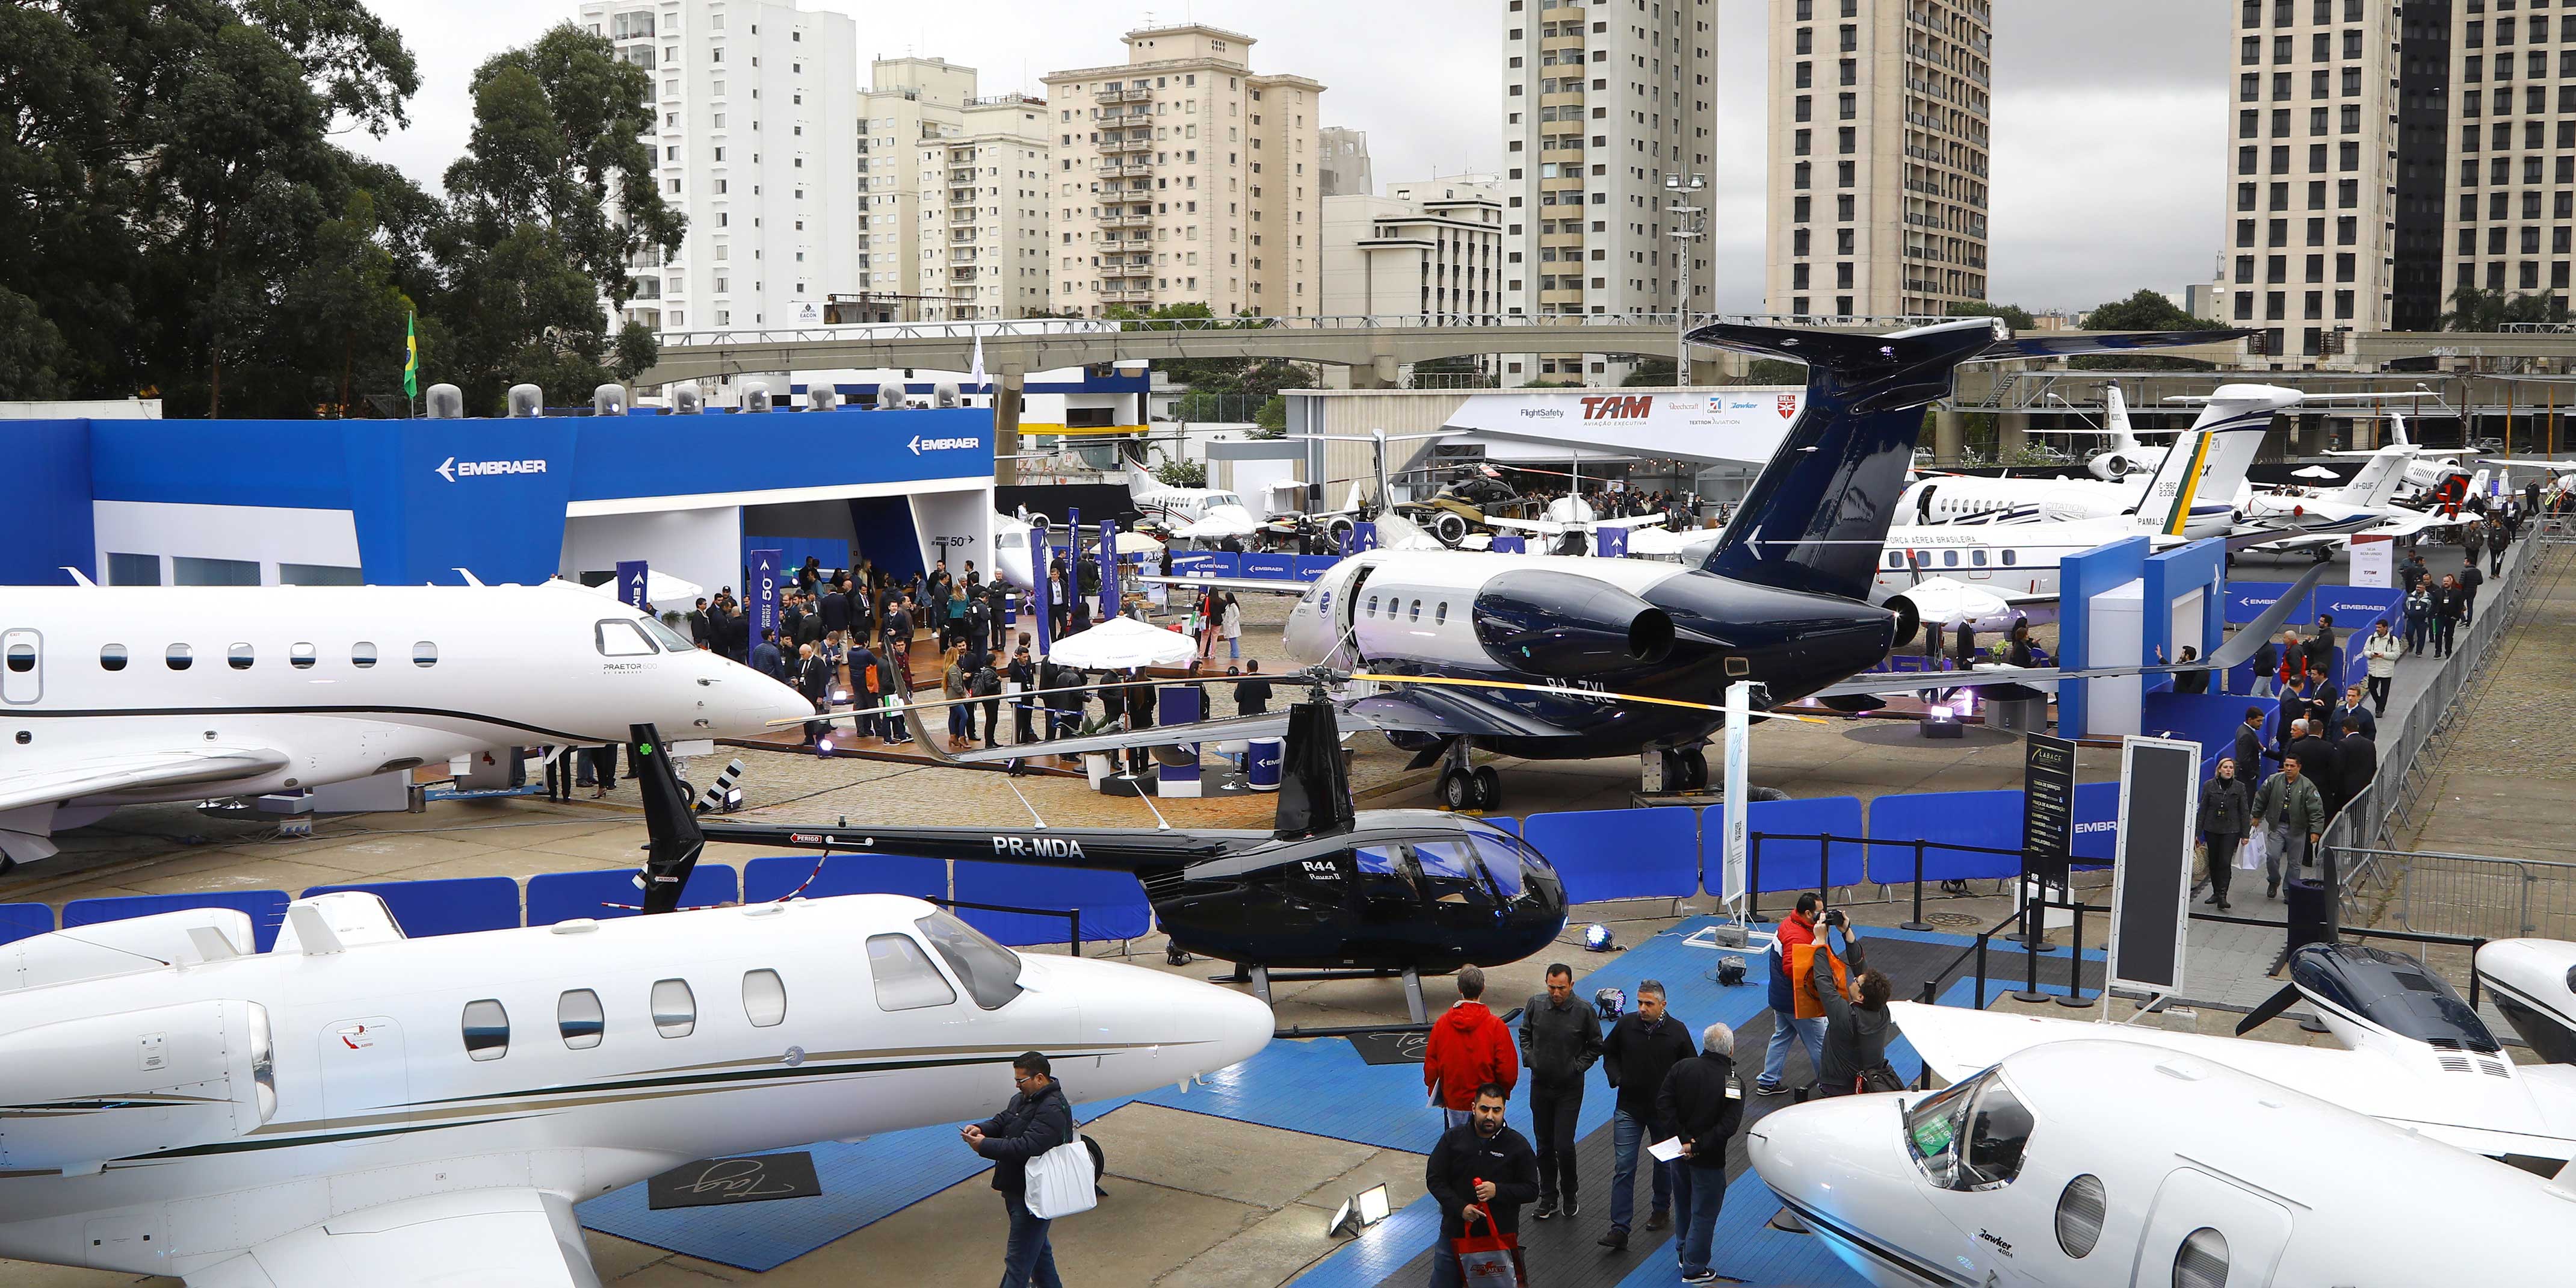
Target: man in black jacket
{"x":1703,"y":1105}
{"x":1038,"y":1119}
{"x":2317,"y":757}
{"x":1252,"y":697}
{"x":1481,"y":1162}
{"x":1560,"y":1040}
{"x":2321,"y":652}
{"x":1642,"y":1047}
{"x":2356,"y":762}
{"x":2249,"y":742}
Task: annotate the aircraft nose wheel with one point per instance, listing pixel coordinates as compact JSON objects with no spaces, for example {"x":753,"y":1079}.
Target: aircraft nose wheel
{"x":1471,"y":789}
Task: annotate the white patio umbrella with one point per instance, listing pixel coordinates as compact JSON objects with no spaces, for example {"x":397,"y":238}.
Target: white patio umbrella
{"x":1137,"y":543}
{"x":1122,"y":643}
{"x":661,"y":589}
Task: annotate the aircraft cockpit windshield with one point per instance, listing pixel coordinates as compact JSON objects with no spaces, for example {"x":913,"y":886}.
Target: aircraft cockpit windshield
{"x":1215,"y":499}
{"x":990,"y":972}
{"x":1971,"y":1136}
{"x":671,"y":640}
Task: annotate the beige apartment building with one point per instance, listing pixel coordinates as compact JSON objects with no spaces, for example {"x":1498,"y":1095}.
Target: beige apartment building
{"x":2514,"y":106}
{"x":2313,"y":194}
{"x":1880,"y":138}
{"x":983,"y":211}
{"x":1433,"y":248}
{"x":1182,"y":177}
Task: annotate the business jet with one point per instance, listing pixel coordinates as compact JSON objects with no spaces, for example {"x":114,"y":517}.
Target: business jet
{"x":1781,"y":599}
{"x":1189,"y":513}
{"x":2534,"y":984}
{"x":2110,"y":1164}
{"x":357,"y":1107}
{"x":127,"y":695}
{"x":2413,"y":1055}
{"x":2126,"y":456}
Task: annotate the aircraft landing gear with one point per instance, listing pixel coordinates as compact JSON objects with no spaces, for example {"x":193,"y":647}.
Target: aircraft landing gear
{"x":1464,"y":786}
{"x":1686,"y":769}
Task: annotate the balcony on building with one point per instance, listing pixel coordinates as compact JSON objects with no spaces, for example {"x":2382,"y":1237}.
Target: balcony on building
{"x":1114,"y":217}
{"x":1119,"y":94}
{"x":1137,"y":141}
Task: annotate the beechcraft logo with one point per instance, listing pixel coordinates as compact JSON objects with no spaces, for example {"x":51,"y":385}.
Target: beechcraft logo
{"x":920,"y":444}
{"x":452,"y":469}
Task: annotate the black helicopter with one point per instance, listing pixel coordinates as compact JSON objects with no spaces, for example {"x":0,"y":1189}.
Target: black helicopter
{"x":1328,"y":892}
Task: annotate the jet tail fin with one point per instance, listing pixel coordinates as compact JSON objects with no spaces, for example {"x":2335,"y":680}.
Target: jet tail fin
{"x":2207,"y":464}
{"x":1816,"y":518}
{"x":2378,"y":478}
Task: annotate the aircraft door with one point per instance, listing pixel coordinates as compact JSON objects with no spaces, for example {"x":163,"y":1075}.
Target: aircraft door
{"x":2207,"y":1231}
{"x":22,"y":661}
{"x":365,"y":1081}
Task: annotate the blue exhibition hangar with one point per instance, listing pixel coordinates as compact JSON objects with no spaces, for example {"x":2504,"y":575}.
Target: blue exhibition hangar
{"x":403,"y":502}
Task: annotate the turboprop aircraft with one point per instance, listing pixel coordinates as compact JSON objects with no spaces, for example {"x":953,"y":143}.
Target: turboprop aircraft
{"x":1327,"y":889}
{"x":2126,"y":456}
{"x":1781,"y":599}
{"x":2413,"y":1054}
{"x":2110,"y":1164}
{"x":356,"y":1107}
{"x":131,"y":694}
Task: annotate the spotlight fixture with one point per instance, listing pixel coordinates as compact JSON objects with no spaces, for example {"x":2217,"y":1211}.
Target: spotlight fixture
{"x":1942,"y":722}
{"x":823,"y":747}
{"x":1360,"y":1211}
{"x":1597,"y":938}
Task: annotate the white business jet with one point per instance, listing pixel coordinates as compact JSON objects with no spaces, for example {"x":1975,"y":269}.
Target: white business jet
{"x":1190,"y":513}
{"x":2414,"y":1055}
{"x":116,"y":696}
{"x":2534,"y":984}
{"x":2108,"y":1164}
{"x":2126,"y":456}
{"x":354,"y":1107}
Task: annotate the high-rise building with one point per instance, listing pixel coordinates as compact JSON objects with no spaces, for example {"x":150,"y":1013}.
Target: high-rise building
{"x":2513,"y":79}
{"x":983,"y":211}
{"x":1880,"y":121}
{"x":2312,"y":197}
{"x":1345,"y":164}
{"x":1181,"y":176}
{"x":1600,"y":103}
{"x":2423,"y":163}
{"x":906,"y":101}
{"x":754,"y":143}
{"x":1431,"y":248}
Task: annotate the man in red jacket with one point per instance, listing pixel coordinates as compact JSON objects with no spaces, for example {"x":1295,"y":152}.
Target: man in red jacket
{"x":1470,"y":1046}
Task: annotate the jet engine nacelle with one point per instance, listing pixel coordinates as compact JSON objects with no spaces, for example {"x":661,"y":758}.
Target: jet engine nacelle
{"x":1566,"y":624}
{"x":1909,"y":619}
{"x":87,"y":1090}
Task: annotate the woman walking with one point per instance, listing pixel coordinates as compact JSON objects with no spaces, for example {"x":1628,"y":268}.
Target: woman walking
{"x":2226,"y":812}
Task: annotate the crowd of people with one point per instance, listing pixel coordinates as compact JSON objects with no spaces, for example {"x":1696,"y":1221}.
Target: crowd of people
{"x":1675,"y":1093}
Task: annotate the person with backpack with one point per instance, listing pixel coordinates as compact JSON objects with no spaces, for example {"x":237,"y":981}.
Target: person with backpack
{"x":865,"y":687}
{"x":1857,"y":1026}
{"x":1038,"y":1119}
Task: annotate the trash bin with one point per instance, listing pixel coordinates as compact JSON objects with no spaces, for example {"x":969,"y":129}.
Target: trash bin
{"x":1261,"y":764}
{"x":2308,"y":914}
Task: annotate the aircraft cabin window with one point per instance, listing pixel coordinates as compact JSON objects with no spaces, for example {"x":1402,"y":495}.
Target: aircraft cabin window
{"x":616,"y":637}
{"x":178,"y":657}
{"x":112,"y":658}
{"x":424,"y":654}
{"x":990,"y":972}
{"x":1949,"y":558}
{"x":22,"y":657}
{"x":2201,"y":1261}
{"x":362,"y":655}
{"x":487,"y":1030}
{"x":1440,"y":615}
{"x":1416,"y":614}
{"x":2080,"y":1210}
{"x":1372,"y":608}
{"x":675,"y":1008}
{"x":1977,"y":557}
{"x":2009,"y":559}
{"x":238,"y":657}
{"x":300,"y":657}
{"x":764,"y":998}
{"x":579,"y":1019}
{"x":904,"y":977}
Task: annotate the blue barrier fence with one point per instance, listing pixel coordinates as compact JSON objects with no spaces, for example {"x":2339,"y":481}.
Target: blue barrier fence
{"x":457,"y":907}
{"x":1787,"y":860}
{"x":767,"y":879}
{"x":1218,"y":563}
{"x":267,"y":908}
{"x":1988,"y":819}
{"x":568,"y":896}
{"x":19,"y":920}
{"x":1112,"y":904}
{"x":1620,"y":853}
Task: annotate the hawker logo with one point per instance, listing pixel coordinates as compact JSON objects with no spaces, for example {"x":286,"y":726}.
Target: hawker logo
{"x":919,"y":444}
{"x":452,"y":469}
{"x":1044,"y":847}
{"x":1618,"y":406}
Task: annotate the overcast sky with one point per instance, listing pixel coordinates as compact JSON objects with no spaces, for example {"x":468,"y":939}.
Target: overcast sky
{"x":2109,"y":131}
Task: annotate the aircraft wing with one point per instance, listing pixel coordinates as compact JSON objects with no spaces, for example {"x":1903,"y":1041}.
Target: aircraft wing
{"x":127,"y":771}
{"x":1244,"y":585}
{"x":1447,"y":711}
{"x":500,"y":1238}
{"x":1558,"y":527}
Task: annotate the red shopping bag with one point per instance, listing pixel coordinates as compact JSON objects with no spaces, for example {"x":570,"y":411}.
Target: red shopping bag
{"x":1491,"y":1259}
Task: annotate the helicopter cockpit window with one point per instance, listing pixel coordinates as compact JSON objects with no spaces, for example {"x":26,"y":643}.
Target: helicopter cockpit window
{"x":1502,"y":866}
{"x":1449,"y":872}
{"x":1971,"y":1136}
{"x":1380,"y":860}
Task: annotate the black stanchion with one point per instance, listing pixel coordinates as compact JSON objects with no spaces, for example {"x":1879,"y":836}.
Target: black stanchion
{"x":1753,"y":879}
{"x":1918,"y":923}
{"x":2029,"y":938}
{"x":2075,"y":967}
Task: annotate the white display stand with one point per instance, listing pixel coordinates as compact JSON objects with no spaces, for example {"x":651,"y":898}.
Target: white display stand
{"x":2116,"y":638}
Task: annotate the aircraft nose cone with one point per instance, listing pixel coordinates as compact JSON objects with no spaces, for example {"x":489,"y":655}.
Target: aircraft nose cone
{"x":1842,"y":1165}
{"x":1162,"y":1027}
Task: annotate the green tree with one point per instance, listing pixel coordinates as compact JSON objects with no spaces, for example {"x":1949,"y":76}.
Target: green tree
{"x":1650,"y":372}
{"x":2144,"y":311}
{"x":1772,"y":371}
{"x":2477,"y":309}
{"x":1175,"y":472}
{"x":1272,"y":418}
{"x":2014,"y":316}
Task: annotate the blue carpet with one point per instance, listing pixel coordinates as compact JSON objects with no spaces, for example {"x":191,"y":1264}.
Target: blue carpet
{"x":1380,"y":1250}
{"x":1747,"y":1248}
{"x":862,"y":1183}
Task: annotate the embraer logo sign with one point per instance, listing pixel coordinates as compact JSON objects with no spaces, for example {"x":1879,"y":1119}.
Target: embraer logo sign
{"x":920,"y":444}
{"x":451,"y":469}
{"x":1618,"y":407}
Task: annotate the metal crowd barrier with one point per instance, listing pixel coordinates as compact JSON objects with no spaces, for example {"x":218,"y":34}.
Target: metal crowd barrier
{"x":2479,"y":895}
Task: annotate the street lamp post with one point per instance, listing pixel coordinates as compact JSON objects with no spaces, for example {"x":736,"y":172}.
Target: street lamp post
{"x":1689,"y":223}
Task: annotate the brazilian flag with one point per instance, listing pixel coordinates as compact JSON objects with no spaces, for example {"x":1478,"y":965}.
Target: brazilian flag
{"x":411,"y":359}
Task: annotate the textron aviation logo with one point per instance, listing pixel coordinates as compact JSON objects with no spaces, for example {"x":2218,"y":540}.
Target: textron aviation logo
{"x":920,"y":444}
{"x":452,"y":469}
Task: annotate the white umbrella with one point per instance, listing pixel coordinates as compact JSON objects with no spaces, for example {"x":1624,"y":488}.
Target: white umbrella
{"x":2313,"y":472}
{"x":1137,"y":543}
{"x":661,"y":589}
{"x":1122,"y":643}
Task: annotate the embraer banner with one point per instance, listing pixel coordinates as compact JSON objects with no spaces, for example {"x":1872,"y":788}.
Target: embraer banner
{"x":1700,"y":425}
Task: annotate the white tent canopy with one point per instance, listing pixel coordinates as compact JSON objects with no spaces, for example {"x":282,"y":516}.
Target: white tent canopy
{"x":1122,"y":643}
{"x":662,"y":590}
